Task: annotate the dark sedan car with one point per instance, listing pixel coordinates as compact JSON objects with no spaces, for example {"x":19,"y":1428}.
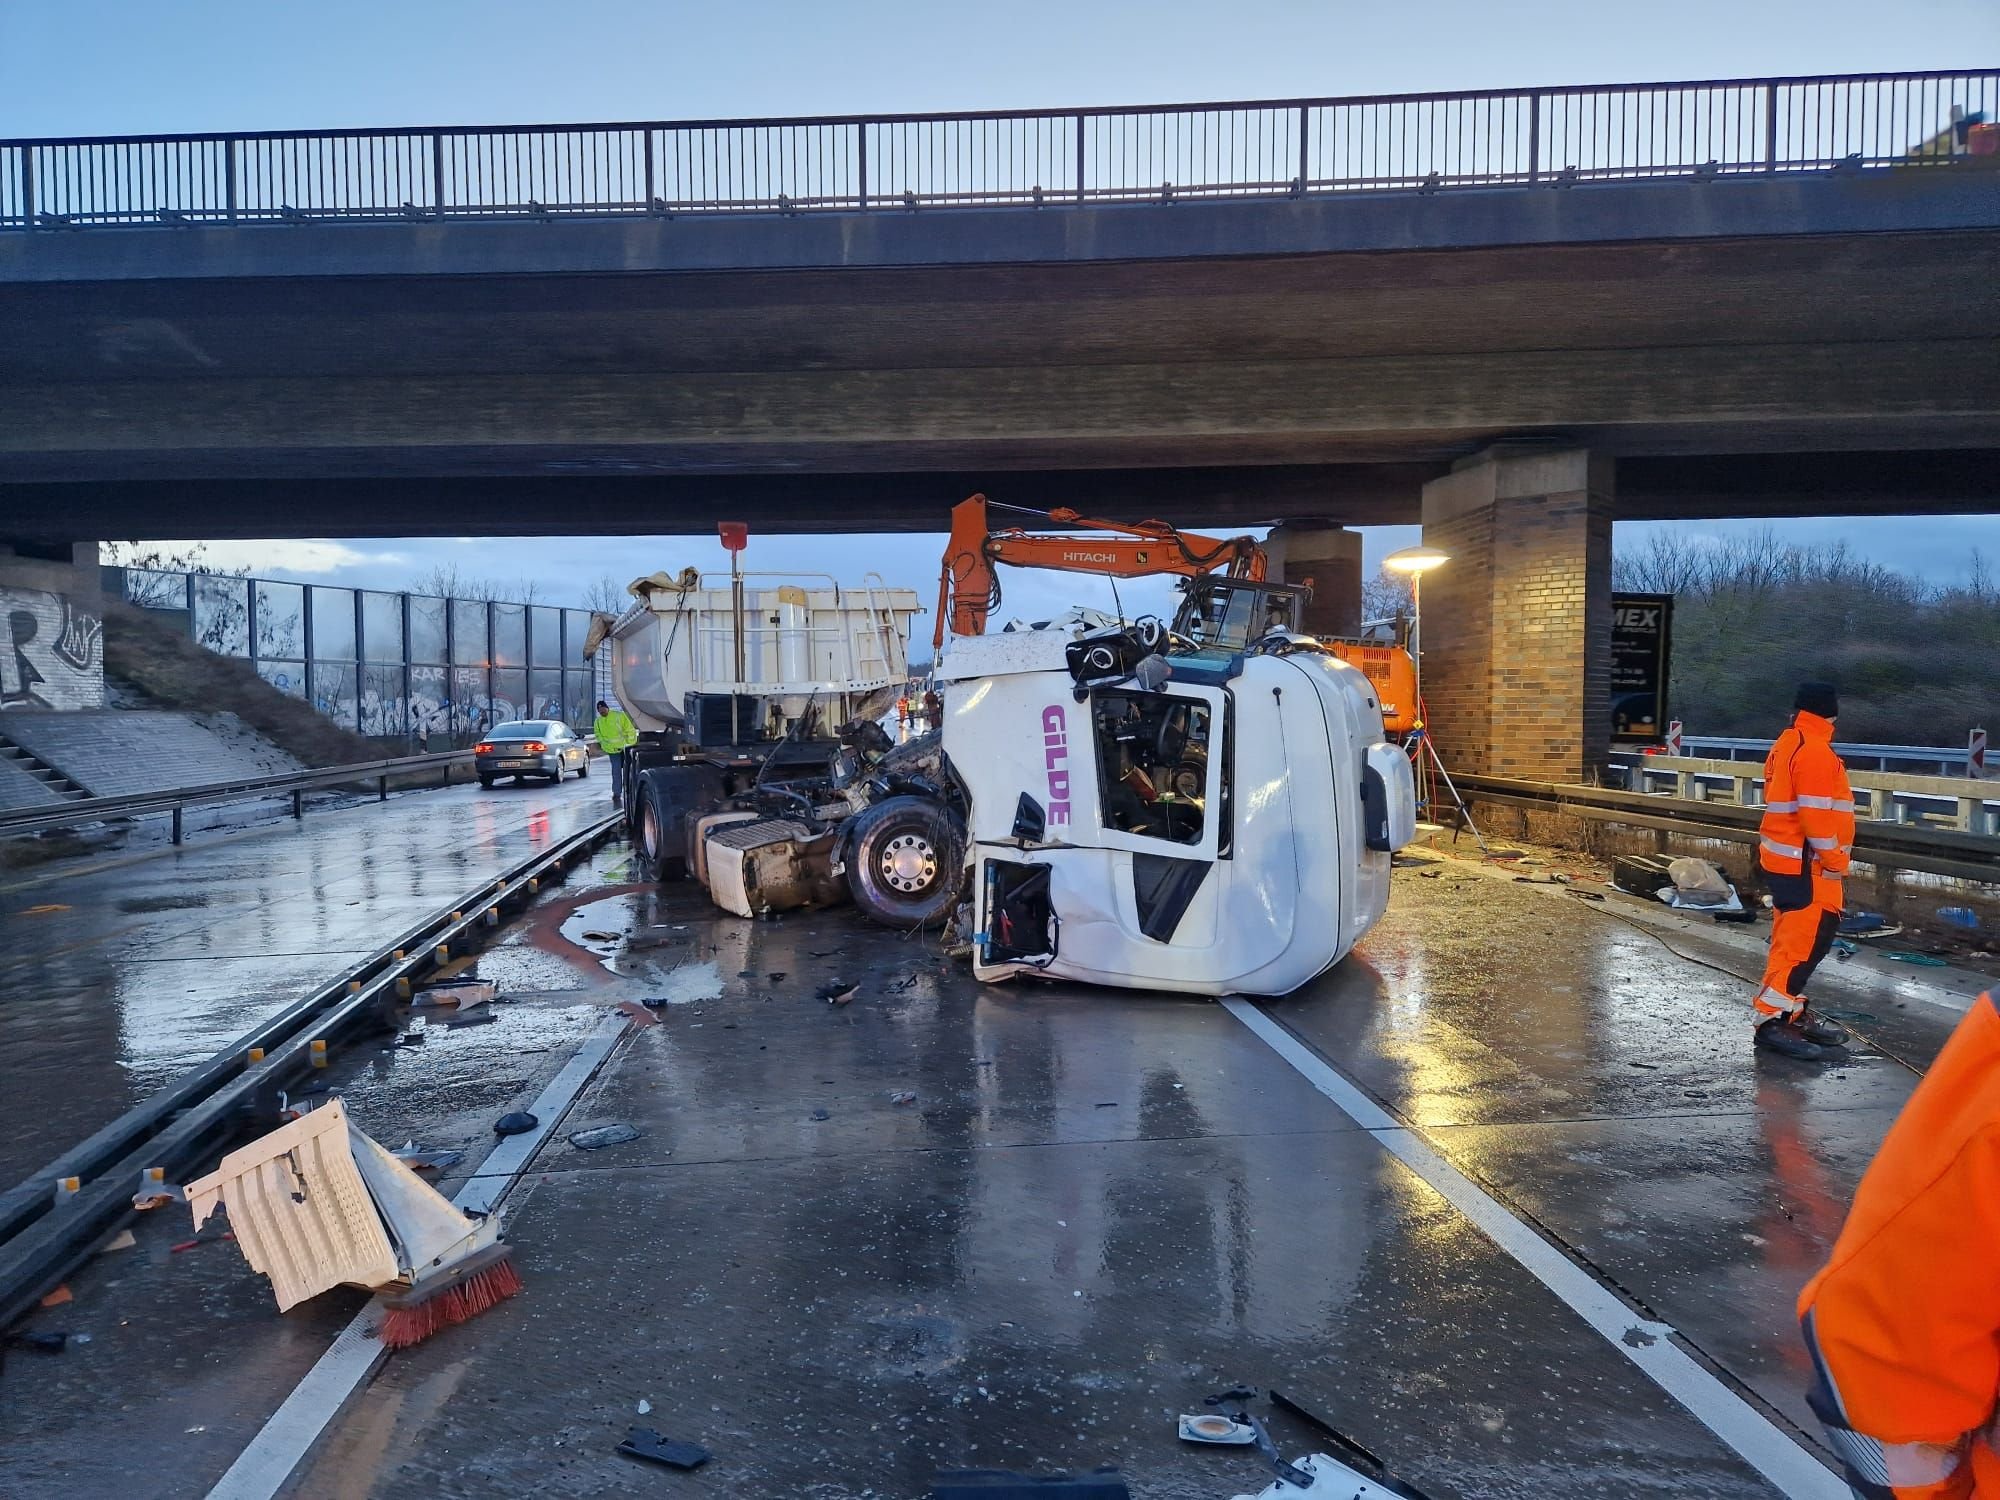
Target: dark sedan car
{"x":530,"y":747}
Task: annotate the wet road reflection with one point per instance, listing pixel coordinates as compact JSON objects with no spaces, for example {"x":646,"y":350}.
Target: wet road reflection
{"x":116,"y":978}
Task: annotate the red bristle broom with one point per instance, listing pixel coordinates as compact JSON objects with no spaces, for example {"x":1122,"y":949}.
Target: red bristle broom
{"x":450,"y":1295}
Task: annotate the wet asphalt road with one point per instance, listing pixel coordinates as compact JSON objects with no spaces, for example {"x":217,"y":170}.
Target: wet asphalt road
{"x":1097,"y":1208}
{"x":118,"y":975}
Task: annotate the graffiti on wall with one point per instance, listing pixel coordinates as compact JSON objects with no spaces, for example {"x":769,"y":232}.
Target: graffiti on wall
{"x":51,"y":652}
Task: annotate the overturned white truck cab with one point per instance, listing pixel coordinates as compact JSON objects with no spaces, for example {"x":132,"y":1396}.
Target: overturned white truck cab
{"x":1210,"y":816}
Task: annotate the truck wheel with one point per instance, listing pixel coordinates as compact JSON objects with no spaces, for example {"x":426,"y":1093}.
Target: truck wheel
{"x":905,"y":861}
{"x":657,"y":833}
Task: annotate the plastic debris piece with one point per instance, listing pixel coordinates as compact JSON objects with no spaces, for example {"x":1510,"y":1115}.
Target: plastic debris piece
{"x":1002,"y":1484}
{"x":644,"y":1406}
{"x":1234,"y":1396}
{"x":425,"y":1159}
{"x":598,"y":936}
{"x":123,"y":1240}
{"x":903,"y":1096}
{"x":653,"y":1002}
{"x":1959,"y":916}
{"x":645,"y":1443}
{"x":602,"y":1136}
{"x":820,"y":1114}
{"x":1213,"y":1427}
{"x":515,"y":1122}
{"x":460,"y":992}
{"x":319,"y":1204}
{"x":1346,"y":1483}
{"x":1867,"y":924}
{"x":1922,"y":960}
{"x":59,"y":1296}
{"x":837,"y":991}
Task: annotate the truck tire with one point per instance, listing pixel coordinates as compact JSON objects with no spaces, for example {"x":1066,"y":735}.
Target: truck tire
{"x":662,"y":801}
{"x":906,"y":861}
{"x":659,"y":845}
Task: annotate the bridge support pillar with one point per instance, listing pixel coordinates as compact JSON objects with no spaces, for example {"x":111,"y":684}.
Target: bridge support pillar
{"x":1330,"y":556}
{"x":1517,"y":626}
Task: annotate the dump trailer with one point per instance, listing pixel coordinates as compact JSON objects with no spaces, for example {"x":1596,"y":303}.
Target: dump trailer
{"x":742,"y":683}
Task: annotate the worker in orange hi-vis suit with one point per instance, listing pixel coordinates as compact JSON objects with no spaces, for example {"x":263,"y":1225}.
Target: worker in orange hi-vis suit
{"x":1802,"y":848}
{"x":1903,"y":1323}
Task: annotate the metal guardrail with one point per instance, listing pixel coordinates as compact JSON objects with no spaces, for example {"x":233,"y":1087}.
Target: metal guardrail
{"x":45,"y":1232}
{"x":176,"y":800}
{"x":1880,"y":796}
{"x":1901,"y":846}
{"x":1924,"y":760}
{"x":1027,"y":158}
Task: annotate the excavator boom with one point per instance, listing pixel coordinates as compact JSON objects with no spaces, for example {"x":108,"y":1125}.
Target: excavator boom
{"x":968,"y":588}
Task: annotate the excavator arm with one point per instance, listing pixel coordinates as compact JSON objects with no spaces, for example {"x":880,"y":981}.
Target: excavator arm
{"x":968,"y":588}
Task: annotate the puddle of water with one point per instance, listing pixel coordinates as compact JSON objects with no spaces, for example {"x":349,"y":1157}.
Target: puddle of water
{"x":692,"y":982}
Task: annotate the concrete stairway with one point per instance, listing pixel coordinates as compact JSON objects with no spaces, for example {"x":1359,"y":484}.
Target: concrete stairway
{"x":25,"y":761}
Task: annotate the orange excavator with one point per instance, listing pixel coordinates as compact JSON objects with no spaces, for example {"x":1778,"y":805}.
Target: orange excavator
{"x":1220,"y":613}
{"x":969,"y":589}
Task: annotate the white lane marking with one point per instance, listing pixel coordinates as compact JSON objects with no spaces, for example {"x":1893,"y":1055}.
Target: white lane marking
{"x":1755,"y":1439}
{"x":264,"y":1467}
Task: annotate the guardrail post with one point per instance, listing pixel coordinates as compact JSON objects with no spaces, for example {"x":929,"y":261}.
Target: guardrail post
{"x":1079,"y":158}
{"x":647,"y":199}
{"x":177,"y":823}
{"x":861,"y":164}
{"x":437,"y":174}
{"x":298,"y":803}
{"x":229,"y":178}
{"x":1770,"y":127}
{"x":1534,"y":138}
{"x":27,"y":187}
{"x":1746,"y":791}
{"x":1305,"y":159}
{"x":381,"y":789}
{"x":1686,"y":787}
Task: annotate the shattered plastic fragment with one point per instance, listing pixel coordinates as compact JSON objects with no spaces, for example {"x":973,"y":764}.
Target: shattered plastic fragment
{"x":602,"y":1136}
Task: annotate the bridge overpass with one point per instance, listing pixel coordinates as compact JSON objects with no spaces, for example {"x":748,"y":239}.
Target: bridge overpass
{"x":1754,"y":297}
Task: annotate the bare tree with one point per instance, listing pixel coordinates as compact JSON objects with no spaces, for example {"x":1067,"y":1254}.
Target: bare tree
{"x":153,"y":570}
{"x":1386,"y":596}
{"x":1669,"y":563}
{"x":607,"y":596}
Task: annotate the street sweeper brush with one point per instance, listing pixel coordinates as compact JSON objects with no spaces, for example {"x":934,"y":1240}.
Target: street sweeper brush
{"x":318,"y":1204}
{"x":454,"y":1294}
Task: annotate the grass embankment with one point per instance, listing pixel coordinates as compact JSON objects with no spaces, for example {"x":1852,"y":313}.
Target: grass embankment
{"x":150,"y":656}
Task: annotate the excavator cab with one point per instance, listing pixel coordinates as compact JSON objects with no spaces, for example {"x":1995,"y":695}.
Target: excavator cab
{"x":1220,"y":613}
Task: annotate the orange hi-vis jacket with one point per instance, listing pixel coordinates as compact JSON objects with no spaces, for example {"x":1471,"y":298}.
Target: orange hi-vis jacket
{"x":1808,"y":808}
{"x":1904,"y":1321}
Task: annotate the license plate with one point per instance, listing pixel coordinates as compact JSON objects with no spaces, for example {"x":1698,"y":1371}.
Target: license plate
{"x":516,"y":765}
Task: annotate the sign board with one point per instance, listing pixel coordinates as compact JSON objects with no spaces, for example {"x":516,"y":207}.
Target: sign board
{"x":1641,"y":646}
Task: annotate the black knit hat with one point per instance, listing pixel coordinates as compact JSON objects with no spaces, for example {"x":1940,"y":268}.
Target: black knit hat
{"x":1817,"y":698}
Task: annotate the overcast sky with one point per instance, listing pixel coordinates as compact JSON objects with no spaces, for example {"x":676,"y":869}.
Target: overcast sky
{"x":125,"y":66}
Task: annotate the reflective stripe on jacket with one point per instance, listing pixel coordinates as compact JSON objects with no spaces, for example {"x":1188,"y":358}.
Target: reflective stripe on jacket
{"x":1904,"y":1321}
{"x":614,"y":731}
{"x":1808,"y":805}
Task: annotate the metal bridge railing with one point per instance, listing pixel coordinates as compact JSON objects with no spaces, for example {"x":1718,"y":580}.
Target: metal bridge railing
{"x":1016,"y":157}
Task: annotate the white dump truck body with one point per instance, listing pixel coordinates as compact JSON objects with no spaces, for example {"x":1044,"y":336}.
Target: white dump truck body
{"x":799,"y":639}
{"x":1211,"y":837}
